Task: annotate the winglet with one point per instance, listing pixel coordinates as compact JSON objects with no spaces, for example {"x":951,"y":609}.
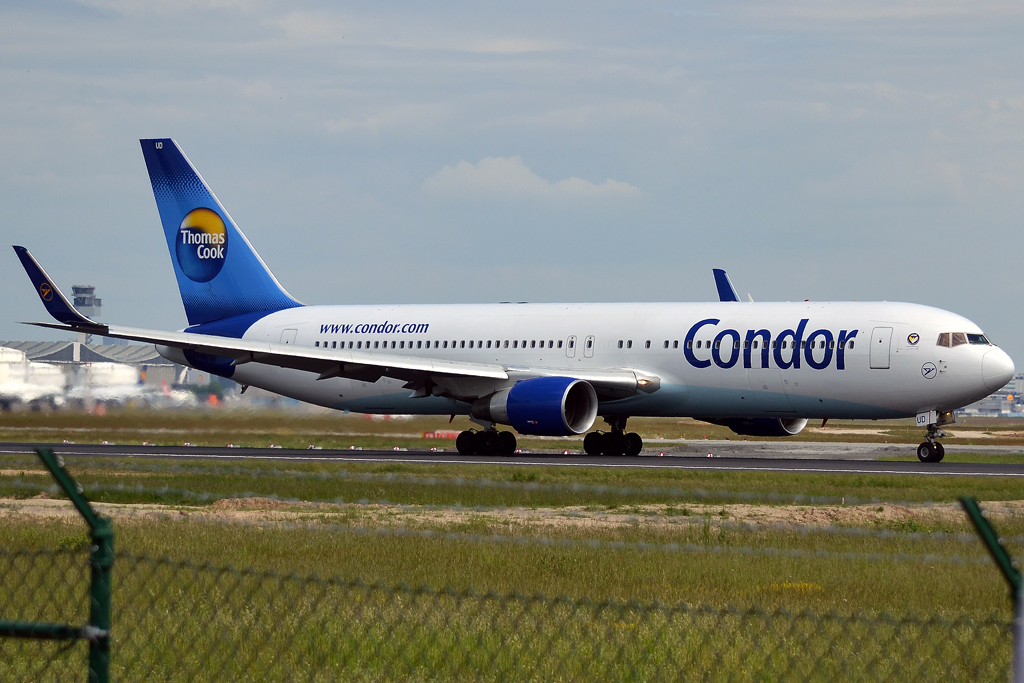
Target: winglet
{"x":726,"y":292}
{"x":56,"y":303}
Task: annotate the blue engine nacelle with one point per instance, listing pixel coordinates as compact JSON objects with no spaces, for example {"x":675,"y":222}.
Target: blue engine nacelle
{"x":543,"y":406}
{"x":764,"y":426}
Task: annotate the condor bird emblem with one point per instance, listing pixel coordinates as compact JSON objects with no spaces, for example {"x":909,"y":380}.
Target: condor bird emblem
{"x":913,"y":338}
{"x":46,"y":291}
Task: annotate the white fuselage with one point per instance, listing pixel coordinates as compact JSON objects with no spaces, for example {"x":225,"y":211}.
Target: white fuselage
{"x":853,"y":359}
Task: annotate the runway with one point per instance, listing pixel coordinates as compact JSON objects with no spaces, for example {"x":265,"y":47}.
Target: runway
{"x":831,"y":458}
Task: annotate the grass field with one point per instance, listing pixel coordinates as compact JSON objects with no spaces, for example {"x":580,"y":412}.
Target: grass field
{"x":744,"y":544}
{"x":329,"y":429}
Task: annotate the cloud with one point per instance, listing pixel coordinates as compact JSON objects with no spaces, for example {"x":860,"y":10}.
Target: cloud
{"x":510,"y":178}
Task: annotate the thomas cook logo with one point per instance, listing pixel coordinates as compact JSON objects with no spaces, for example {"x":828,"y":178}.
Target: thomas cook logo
{"x":202,"y":244}
{"x":46,"y":291}
{"x":913,"y":338}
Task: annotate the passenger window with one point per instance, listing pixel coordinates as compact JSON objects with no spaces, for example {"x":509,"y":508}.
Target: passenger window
{"x":515,"y":343}
{"x":851,"y":343}
{"x":736,"y":344}
{"x":559,"y":343}
{"x":470,"y":343}
{"x":629,"y":343}
{"x":666,"y":343}
{"x":803,"y":344}
{"x":620,"y":343}
{"x":480,"y":343}
{"x":488,"y":343}
{"x":943,"y":339}
{"x":524,"y":343}
{"x":773,"y":344}
{"x":533,"y":344}
{"x":832,"y":344}
{"x":572,"y":343}
{"x":446,"y":344}
{"x":376,"y":345}
{"x":689,"y":343}
{"x":392,"y":344}
{"x":334,"y":345}
{"x":699,"y":343}
{"x":551,"y":344}
{"x":959,"y":338}
{"x":436,"y":343}
{"x":590,"y":343}
{"x":506,"y":343}
{"x":755,"y":343}
{"x":462,"y":344}
{"x":419,"y":344}
{"x":675,"y":344}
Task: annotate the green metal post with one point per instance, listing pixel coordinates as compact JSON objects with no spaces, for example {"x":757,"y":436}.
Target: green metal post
{"x":1012,"y":575}
{"x":101,"y":560}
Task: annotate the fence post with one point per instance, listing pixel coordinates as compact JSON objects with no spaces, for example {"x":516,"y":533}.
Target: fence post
{"x":1012,"y":575}
{"x":101,"y":560}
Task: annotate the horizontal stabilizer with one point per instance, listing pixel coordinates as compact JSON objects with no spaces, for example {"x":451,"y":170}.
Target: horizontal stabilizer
{"x":726,"y":292}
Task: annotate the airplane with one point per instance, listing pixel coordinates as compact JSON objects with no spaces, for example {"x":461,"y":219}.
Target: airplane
{"x":761,"y":369}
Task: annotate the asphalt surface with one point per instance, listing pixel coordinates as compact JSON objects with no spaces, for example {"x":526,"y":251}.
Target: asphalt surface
{"x":838,"y":458}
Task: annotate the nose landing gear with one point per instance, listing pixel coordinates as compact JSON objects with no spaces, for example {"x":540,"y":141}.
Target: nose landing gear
{"x":931,"y":450}
{"x":615,"y":442}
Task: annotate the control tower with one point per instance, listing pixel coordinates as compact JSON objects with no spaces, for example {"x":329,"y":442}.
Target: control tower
{"x":88,"y":304}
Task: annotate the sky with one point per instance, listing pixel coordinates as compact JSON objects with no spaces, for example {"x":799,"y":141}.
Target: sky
{"x":385,"y":152}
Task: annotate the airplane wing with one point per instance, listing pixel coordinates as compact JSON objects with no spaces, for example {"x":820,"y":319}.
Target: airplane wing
{"x":417,"y":371}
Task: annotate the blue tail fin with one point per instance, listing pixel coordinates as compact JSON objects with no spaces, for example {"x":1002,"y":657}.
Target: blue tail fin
{"x":219,"y":274}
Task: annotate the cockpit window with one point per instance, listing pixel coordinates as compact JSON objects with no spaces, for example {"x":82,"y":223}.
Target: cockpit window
{"x":958,"y":338}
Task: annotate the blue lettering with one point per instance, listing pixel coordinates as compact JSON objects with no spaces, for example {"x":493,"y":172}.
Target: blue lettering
{"x":734,"y":346}
{"x":794,"y":361}
{"x":766,"y":337}
{"x":841,"y":351}
{"x":688,"y":343}
{"x":809,"y":351}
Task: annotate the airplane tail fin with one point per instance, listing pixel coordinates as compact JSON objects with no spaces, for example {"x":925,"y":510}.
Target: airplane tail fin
{"x":219,"y":274}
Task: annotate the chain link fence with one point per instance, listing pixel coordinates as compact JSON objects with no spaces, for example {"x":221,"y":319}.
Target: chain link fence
{"x":176,"y":621}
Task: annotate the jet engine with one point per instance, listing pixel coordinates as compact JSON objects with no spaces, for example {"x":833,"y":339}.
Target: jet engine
{"x":543,"y":406}
{"x":764,"y":426}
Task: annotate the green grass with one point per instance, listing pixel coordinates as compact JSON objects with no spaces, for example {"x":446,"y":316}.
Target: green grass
{"x":180,"y":620}
{"x":218,"y":427}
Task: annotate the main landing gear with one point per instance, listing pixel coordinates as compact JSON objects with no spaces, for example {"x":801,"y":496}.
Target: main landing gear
{"x":486,"y":442}
{"x":931,"y":450}
{"x":615,"y":442}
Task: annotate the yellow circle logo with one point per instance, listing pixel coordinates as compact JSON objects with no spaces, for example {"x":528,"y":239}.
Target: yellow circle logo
{"x":202,"y":244}
{"x":46,"y":291}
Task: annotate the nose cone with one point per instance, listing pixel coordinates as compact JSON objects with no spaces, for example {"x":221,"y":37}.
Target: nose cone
{"x":996,"y":369}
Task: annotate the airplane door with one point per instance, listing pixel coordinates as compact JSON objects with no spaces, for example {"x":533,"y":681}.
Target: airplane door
{"x":767,"y":392}
{"x":288,"y":336}
{"x":880,"y":339}
{"x":588,"y":347}
{"x":570,"y":347}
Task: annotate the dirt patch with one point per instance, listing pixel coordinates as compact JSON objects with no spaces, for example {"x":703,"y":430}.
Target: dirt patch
{"x":653,"y":517}
{"x":254,"y":503}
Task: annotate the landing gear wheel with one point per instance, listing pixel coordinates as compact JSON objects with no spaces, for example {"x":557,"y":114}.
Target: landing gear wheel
{"x":592,"y":443}
{"x":487,"y":443}
{"x":614,"y":444}
{"x":466,"y":442}
{"x":506,"y":443}
{"x":940,"y":452}
{"x":929,"y":452}
{"x":634,"y":444}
